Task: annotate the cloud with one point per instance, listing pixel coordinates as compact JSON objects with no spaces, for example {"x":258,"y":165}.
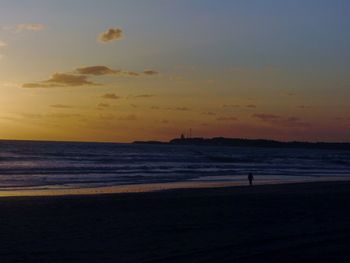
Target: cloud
{"x":10,"y":84}
{"x":61,"y":80}
{"x":251,"y":106}
{"x":110,"y":96}
{"x":209,"y":113}
{"x":50,"y":116}
{"x":69,"y":80}
{"x":97,"y":71}
{"x":30,"y":27}
{"x":2,"y":44}
{"x":80,"y":76}
{"x":39,"y":85}
{"x":61,"y":106}
{"x":228,"y":106}
{"x":266,"y":117}
{"x":111,"y":34}
{"x":106,"y":117}
{"x":143,"y":96}
{"x":130,"y":117}
{"x":103,"y":105}
{"x":180,"y":109}
{"x":62,"y":115}
{"x":227,"y":119}
{"x":150,"y":72}
{"x":104,"y":70}
{"x":131,"y":73}
{"x":231,"y":106}
{"x":32,"y":115}
{"x":170,"y":108}
{"x":282,"y":121}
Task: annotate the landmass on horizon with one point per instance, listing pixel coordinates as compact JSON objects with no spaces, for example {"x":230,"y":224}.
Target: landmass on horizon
{"x":240,"y":142}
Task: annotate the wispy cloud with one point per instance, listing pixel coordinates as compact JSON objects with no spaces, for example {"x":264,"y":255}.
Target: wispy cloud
{"x":184,"y":109}
{"x":250,"y":106}
{"x":111,"y":34}
{"x":266,"y":117}
{"x":144,"y":96}
{"x":130,"y":117}
{"x":227,"y":119}
{"x":51,"y":115}
{"x":150,"y":72}
{"x":209,"y":113}
{"x":281,"y":121}
{"x":34,"y":85}
{"x":61,"y":106}
{"x":30,"y":27}
{"x":32,"y":115}
{"x":179,"y":109}
{"x":104,"y":70}
{"x":106,"y":117}
{"x":131,"y":73}
{"x":231,"y":106}
{"x":103,"y":105}
{"x":110,"y":96}
{"x":97,"y":71}
{"x":63,"y":115}
{"x":2,"y":44}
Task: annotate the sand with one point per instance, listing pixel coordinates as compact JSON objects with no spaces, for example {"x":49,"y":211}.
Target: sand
{"x":274,"y":223}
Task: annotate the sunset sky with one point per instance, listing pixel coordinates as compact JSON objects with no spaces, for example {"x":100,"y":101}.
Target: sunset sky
{"x":124,"y":70}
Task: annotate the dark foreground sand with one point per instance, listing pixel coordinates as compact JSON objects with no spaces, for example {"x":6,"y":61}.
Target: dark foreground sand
{"x":277,"y":223}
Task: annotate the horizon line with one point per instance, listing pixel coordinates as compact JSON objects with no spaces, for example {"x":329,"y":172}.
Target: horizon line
{"x":167,"y":141}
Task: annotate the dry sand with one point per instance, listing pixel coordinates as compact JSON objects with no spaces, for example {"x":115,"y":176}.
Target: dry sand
{"x":274,"y":223}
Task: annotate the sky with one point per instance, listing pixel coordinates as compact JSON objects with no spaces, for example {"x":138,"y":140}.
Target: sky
{"x":125,"y":70}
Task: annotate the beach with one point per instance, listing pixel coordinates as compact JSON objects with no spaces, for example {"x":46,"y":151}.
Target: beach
{"x":175,"y":131}
{"x":306,"y":222}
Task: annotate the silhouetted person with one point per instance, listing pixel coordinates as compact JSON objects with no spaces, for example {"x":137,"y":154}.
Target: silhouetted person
{"x":250,"y":178}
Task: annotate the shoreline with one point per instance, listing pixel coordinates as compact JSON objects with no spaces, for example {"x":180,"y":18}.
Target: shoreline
{"x":156,"y":187}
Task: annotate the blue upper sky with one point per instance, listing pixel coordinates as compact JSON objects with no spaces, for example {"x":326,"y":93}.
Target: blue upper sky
{"x":289,"y":33}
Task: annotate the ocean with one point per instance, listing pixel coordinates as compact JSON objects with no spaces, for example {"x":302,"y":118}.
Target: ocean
{"x":68,"y":165}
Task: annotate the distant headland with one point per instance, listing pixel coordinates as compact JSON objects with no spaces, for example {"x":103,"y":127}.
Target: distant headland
{"x":237,"y":142}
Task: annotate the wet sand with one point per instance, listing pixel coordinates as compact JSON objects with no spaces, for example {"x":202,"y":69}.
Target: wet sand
{"x":273,"y":223}
{"x":153,"y":187}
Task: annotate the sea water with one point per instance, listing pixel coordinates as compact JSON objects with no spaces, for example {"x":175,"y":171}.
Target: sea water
{"x":68,"y":165}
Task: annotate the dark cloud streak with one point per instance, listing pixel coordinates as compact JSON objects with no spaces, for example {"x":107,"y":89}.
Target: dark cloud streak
{"x":61,"y":80}
{"x":110,"y":96}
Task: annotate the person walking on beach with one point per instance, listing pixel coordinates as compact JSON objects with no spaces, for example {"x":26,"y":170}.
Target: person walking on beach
{"x":250,"y":179}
